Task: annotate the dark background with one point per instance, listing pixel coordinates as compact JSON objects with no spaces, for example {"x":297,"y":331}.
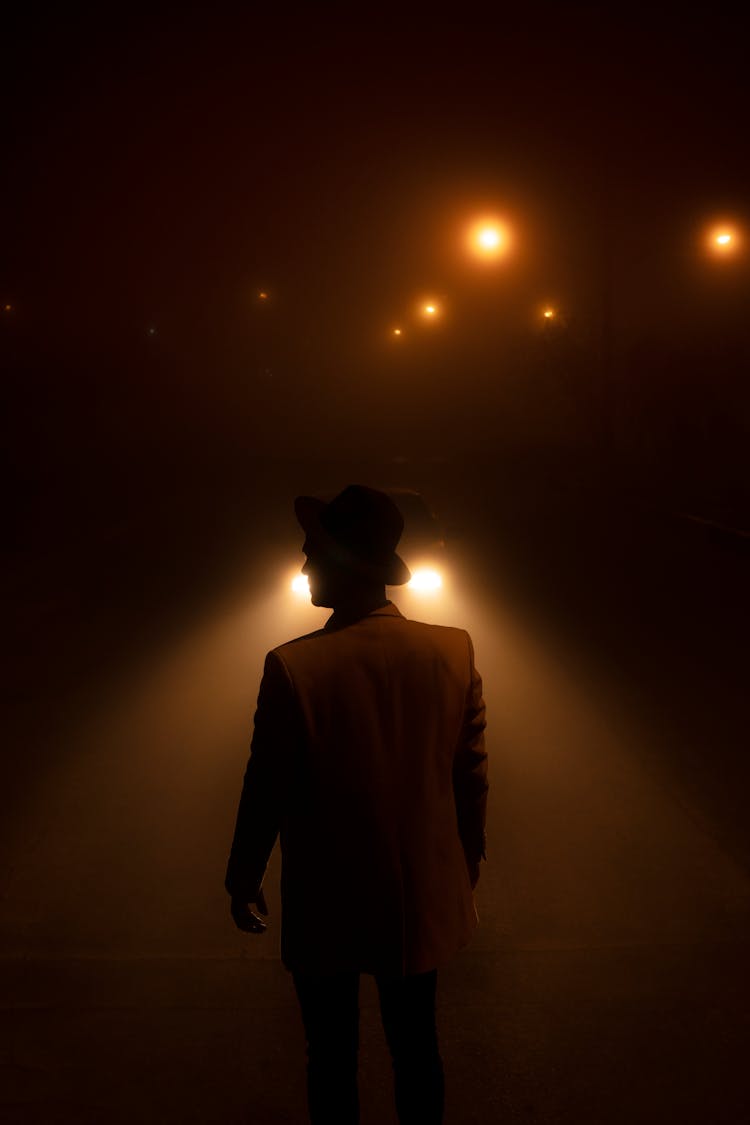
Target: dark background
{"x":163,"y":167}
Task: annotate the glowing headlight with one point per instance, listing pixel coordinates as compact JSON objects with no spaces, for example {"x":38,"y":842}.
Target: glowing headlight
{"x":425,"y":581}
{"x":300,"y":585}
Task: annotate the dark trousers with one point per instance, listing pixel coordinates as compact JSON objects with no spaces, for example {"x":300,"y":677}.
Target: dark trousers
{"x":330,"y":1014}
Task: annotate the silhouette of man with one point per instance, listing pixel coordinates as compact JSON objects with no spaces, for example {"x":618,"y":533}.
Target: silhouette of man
{"x":368,"y":758}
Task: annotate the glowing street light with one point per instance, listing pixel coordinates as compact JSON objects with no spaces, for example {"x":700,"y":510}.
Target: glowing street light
{"x":552,"y":317}
{"x":430,"y":309}
{"x":488,"y":239}
{"x":262,"y":295}
{"x":723,"y":240}
{"x":397,"y":332}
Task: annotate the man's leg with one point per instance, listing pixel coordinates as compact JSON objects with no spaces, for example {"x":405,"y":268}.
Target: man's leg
{"x":407,"y":1006}
{"x":330,"y":1013}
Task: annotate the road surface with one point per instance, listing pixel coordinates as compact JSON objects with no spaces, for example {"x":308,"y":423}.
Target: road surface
{"x":607,"y":981}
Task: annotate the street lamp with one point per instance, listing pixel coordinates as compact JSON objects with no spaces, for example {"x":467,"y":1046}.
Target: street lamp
{"x":488,"y":239}
{"x":723,"y":240}
{"x":553,"y":319}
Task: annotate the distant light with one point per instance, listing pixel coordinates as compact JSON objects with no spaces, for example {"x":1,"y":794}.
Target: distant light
{"x":488,"y":238}
{"x":7,"y":308}
{"x":152,"y":331}
{"x":425,"y":581}
{"x":723,"y":240}
{"x":262,"y":296}
{"x":300,"y":585}
{"x":549,"y":314}
{"x":396,"y":331}
{"x":429,"y":308}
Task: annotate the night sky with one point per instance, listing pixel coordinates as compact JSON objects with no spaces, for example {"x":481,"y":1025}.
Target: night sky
{"x":164,"y":169}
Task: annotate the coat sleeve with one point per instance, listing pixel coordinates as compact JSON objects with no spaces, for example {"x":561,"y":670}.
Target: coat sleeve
{"x":470,"y":783}
{"x":275,"y":733}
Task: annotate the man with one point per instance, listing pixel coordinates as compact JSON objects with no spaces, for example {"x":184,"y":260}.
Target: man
{"x":368,"y":758}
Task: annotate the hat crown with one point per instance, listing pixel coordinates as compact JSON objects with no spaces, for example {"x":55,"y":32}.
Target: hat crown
{"x":365,"y":520}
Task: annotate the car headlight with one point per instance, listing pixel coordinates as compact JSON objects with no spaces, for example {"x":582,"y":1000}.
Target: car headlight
{"x":300,"y":585}
{"x":425,"y":580}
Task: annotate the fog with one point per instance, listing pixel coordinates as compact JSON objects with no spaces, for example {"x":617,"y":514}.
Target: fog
{"x":213,"y":231}
{"x":126,"y":819}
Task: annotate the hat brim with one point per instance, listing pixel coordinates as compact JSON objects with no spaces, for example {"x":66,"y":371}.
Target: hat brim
{"x":308,"y":510}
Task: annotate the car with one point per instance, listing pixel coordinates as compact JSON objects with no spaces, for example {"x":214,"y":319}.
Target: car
{"x":422,"y":546}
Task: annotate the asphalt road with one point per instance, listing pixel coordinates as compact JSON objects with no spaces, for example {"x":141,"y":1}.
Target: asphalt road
{"x":607,"y":980}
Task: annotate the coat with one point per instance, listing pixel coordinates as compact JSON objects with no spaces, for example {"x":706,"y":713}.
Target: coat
{"x":368,"y":759}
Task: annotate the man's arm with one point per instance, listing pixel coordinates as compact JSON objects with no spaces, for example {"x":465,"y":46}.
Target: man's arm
{"x":265,"y":784}
{"x":470,"y":783}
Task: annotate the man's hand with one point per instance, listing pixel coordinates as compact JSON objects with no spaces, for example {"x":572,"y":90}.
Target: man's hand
{"x":246,"y":919}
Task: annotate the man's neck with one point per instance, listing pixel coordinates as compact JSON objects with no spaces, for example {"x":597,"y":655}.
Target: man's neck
{"x":350,"y":609}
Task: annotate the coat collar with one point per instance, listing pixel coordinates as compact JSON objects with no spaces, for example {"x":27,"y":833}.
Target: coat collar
{"x":387,"y":610}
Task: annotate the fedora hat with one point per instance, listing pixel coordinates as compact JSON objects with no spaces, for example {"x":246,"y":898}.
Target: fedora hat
{"x":359,"y":528}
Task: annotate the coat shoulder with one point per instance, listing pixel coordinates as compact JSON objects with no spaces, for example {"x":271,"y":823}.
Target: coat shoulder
{"x":287,"y":646}
{"x":422,"y":632}
{"x":447,"y":635}
{"x":447,"y":631}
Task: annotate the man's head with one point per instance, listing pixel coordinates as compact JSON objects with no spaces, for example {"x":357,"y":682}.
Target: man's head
{"x":350,"y":545}
{"x":332,"y":582}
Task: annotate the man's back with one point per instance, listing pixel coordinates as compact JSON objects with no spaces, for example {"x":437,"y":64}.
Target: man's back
{"x":384,"y":773}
